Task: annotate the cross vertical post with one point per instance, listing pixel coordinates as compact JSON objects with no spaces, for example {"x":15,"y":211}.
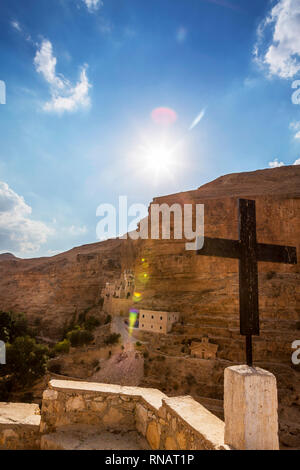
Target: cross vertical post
{"x":248,"y":275}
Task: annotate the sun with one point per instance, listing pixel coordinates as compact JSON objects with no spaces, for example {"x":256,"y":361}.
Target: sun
{"x":159,"y":158}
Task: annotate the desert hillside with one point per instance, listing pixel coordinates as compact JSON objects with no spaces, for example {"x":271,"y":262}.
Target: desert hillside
{"x":204,"y":290}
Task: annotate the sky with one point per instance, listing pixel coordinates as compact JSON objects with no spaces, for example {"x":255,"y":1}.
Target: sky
{"x":109,"y":98}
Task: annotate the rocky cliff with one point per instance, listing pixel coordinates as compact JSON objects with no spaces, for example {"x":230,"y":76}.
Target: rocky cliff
{"x":203,"y":289}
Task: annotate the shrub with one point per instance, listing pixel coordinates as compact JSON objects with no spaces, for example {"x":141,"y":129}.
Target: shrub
{"x":81,"y":317}
{"x":62,"y":346}
{"x":52,"y":352}
{"x":113,"y":338}
{"x":107,"y":319}
{"x":138,"y":343}
{"x":91,"y":323}
{"x":5,"y":388}
{"x":54,"y":367}
{"x":69,"y":326}
{"x":146,"y":354}
{"x":79,"y":337}
{"x":12,"y":326}
{"x":26,"y":360}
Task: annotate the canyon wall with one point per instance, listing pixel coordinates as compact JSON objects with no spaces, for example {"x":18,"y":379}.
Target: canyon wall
{"x":204,"y":289}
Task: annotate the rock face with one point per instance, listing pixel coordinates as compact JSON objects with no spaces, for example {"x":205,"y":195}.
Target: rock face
{"x":203,"y":289}
{"x":7,"y":256}
{"x":51,"y":290}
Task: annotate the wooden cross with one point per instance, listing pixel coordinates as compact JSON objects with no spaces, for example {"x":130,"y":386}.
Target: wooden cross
{"x":248,"y":252}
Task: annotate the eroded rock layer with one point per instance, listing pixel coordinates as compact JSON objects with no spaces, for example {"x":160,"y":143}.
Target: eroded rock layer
{"x":204,"y":290}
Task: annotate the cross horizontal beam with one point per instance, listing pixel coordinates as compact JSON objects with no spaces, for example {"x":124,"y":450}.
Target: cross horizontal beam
{"x":276,"y":253}
{"x":224,"y":248}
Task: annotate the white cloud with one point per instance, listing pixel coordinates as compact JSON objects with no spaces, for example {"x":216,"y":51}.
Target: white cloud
{"x":22,"y":31}
{"x":53,"y":252}
{"x":16,"y":25}
{"x":281,"y":55}
{"x":106,"y":27}
{"x":197,"y":119}
{"x":18,"y":232}
{"x":275,"y":163}
{"x":64,"y":96}
{"x":296,"y":127}
{"x":93,"y":5}
{"x":73,"y":230}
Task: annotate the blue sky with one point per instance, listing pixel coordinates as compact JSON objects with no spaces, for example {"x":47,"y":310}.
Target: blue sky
{"x":82,"y":79}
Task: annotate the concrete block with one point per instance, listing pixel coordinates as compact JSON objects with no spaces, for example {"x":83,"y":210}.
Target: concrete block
{"x":250,"y":408}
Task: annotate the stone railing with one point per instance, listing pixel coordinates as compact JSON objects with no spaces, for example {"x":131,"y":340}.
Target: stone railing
{"x":158,"y":421}
{"x":167,"y":423}
{"x":19,"y":426}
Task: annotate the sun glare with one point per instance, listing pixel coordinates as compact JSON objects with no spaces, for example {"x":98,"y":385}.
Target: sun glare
{"x":159,"y":159}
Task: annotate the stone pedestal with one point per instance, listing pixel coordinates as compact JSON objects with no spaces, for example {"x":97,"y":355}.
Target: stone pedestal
{"x":250,"y":407}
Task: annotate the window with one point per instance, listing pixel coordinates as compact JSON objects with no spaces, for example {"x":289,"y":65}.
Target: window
{"x":152,"y":316}
{"x":151,"y":326}
{"x":161,"y":318}
{"x":143,"y":326}
{"x":160,"y":327}
{"x":143,"y":316}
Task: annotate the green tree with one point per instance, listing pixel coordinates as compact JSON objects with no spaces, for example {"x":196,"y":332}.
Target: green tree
{"x":113,"y":338}
{"x":62,"y":346}
{"x":12,"y":326}
{"x":91,"y":323}
{"x":26,"y":360}
{"x":79,"y":337}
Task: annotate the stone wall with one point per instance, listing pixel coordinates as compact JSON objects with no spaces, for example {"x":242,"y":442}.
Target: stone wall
{"x":19,"y":426}
{"x":167,"y":423}
{"x":115,"y":307}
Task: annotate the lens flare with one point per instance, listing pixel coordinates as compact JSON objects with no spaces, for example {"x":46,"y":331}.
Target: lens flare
{"x":164,"y":116}
{"x":133,"y":315}
{"x":143,"y":278}
{"x":137,"y":297}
